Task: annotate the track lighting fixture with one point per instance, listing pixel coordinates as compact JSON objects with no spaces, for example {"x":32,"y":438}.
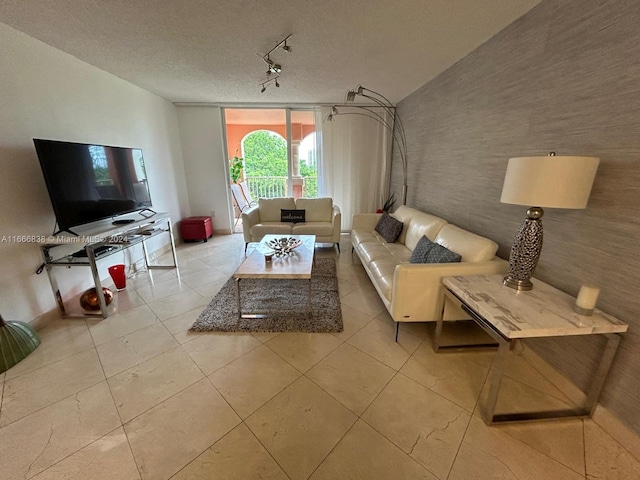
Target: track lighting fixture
{"x":266,"y":83}
{"x":273,"y":67}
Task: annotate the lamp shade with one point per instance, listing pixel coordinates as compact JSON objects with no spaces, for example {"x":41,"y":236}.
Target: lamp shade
{"x":551,"y":181}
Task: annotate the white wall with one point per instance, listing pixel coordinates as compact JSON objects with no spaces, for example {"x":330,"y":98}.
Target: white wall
{"x":205,"y":166}
{"x":47,"y":93}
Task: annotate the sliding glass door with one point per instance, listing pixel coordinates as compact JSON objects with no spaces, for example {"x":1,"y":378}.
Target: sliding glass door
{"x":271,"y":153}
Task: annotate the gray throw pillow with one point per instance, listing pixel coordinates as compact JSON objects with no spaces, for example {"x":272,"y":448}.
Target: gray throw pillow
{"x":427,"y":251}
{"x":419,"y":254}
{"x":389,"y":227}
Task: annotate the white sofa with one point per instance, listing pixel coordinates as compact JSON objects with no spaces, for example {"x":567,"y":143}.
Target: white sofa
{"x":322,"y":219}
{"x":413,"y":292}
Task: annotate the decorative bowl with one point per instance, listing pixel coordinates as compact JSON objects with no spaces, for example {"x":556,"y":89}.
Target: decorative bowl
{"x":283,"y":246}
{"x":89,"y":299}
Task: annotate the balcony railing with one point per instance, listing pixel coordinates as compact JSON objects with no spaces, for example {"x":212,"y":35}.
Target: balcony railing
{"x":272,"y":187}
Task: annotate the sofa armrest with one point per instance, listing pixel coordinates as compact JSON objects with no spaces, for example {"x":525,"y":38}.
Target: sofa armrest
{"x":365,"y":221}
{"x":418,"y":293}
{"x":336,"y":223}
{"x":250,"y":218}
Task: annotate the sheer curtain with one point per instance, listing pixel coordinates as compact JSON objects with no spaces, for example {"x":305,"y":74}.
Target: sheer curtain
{"x":355,"y":161}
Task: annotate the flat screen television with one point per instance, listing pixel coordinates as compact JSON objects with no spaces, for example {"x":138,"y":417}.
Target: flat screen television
{"x":88,"y":182}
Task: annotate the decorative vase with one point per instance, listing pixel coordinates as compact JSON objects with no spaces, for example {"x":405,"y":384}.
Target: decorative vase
{"x":89,"y":299}
{"x":17,"y":341}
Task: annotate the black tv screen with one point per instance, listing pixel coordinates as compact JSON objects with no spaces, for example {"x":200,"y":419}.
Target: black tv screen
{"x":92,"y":182}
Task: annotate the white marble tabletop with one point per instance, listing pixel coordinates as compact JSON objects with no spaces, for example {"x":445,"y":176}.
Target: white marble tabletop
{"x":296,"y":265}
{"x":542,"y":312}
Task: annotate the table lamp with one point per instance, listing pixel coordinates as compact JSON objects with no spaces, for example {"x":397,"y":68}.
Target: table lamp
{"x":549,"y":182}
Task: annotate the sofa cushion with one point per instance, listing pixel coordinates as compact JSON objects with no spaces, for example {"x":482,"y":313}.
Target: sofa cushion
{"x":404,"y":214}
{"x":422,"y":224}
{"x":293,"y":216}
{"x":389,"y":227}
{"x":472,"y":247}
{"x":319,"y":229}
{"x":259,"y":230}
{"x":359,"y":236}
{"x":318,"y":209}
{"x":270,"y":208}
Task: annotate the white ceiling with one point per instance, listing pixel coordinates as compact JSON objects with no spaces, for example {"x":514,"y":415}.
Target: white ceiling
{"x":206,"y":51}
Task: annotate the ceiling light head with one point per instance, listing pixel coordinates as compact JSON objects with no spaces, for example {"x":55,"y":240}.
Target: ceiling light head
{"x":351,"y":96}
{"x":264,"y":87}
{"x":276,"y":68}
{"x":334,"y":110}
{"x":277,"y":84}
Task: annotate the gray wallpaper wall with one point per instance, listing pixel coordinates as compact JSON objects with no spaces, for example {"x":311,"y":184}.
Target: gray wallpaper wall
{"x":564,"y":77}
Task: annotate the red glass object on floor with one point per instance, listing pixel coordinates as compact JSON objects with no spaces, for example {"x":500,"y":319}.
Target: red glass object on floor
{"x":118,"y":276}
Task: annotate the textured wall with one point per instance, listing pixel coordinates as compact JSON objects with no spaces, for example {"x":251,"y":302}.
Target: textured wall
{"x":564,"y":77}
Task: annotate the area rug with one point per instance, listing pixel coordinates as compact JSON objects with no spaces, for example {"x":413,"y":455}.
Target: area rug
{"x":283,"y":297}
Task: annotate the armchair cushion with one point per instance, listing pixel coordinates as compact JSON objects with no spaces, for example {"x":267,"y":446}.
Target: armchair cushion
{"x":389,"y":227}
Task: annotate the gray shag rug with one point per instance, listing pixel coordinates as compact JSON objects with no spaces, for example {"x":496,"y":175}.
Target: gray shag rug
{"x":283,"y":297}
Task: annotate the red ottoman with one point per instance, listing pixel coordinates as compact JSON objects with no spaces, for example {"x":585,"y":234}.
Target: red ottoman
{"x":196,"y":228}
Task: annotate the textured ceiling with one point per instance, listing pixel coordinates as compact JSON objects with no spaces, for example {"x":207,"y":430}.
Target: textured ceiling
{"x":206,"y":51}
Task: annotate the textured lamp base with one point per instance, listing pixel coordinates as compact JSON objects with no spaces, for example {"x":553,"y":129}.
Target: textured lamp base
{"x":17,"y":341}
{"x":522,"y":285}
{"x":525,"y":251}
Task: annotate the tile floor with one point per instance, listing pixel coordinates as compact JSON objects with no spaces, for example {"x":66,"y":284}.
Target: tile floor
{"x":137,"y":396}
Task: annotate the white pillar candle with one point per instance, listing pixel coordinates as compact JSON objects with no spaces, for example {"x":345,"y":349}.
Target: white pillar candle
{"x":588,"y":297}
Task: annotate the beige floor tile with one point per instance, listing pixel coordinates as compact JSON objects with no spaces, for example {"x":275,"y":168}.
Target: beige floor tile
{"x":127,"y":299}
{"x":606,"y":459}
{"x":300,"y":426}
{"x":365,"y":299}
{"x":132,"y":349}
{"x":364,"y":454}
{"x":352,"y":320}
{"x":424,"y":425}
{"x":355,"y":386}
{"x":183,"y":321}
{"x":236,"y":455}
{"x":37,"y":389}
{"x":176,"y":304}
{"x":562,"y":440}
{"x":264,"y":337}
{"x":107,"y":458}
{"x":454,"y":375}
{"x":141,"y":387}
{"x":489,"y":453}
{"x":187,"y":336}
{"x":250,"y":381}
{"x":157,"y":290}
{"x":210,"y":290}
{"x":515,"y":396}
{"x":116,"y":326}
{"x":203,"y":277}
{"x":377,"y":339}
{"x":303,"y":350}
{"x":175,"y":432}
{"x":60,"y":339}
{"x":36,"y":442}
{"x":217,"y":349}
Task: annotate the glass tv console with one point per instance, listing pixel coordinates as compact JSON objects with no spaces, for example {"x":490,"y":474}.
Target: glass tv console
{"x":101,"y":241}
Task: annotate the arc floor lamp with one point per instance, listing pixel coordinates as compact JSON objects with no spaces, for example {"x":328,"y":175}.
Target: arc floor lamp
{"x":394,"y":126}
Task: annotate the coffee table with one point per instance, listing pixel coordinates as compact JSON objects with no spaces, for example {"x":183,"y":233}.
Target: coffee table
{"x":298,"y":265}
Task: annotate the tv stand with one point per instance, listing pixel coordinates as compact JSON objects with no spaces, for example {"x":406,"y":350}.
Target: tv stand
{"x":103,"y":242}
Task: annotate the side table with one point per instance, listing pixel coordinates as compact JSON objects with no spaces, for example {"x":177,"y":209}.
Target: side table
{"x":507,"y":314}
